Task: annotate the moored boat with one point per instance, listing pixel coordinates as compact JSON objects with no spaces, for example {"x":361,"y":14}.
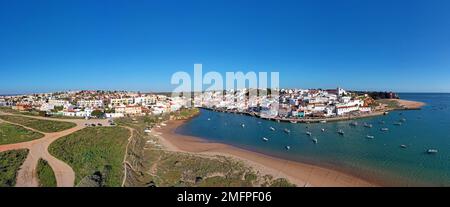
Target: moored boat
{"x":341,"y":132}
{"x":370,"y":137}
{"x":314,"y":140}
{"x":272,"y":129}
{"x":384,"y":129}
{"x":265,"y":139}
{"x":308,"y":133}
{"x":432,"y":151}
{"x":287,"y":131}
{"x":288,"y":147}
{"x":368,"y":125}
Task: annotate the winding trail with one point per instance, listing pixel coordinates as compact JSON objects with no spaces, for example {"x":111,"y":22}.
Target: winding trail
{"x":125,"y":162}
{"x":38,"y":148}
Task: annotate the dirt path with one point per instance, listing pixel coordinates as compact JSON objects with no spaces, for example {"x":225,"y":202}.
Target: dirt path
{"x":27,"y":176}
{"x":125,"y":163}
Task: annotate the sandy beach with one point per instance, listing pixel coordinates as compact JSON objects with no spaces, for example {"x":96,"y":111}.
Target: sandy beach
{"x":298,"y":173}
{"x":409,"y":104}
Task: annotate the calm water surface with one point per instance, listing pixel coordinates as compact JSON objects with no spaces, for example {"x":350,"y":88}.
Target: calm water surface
{"x":381,"y":159}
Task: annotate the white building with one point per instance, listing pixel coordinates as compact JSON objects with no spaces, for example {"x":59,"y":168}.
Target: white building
{"x":145,"y":100}
{"x":90,"y":103}
{"x":114,"y":115}
{"x":57,"y":102}
{"x":122,"y":101}
{"x":129,"y":110}
{"x":46,"y":107}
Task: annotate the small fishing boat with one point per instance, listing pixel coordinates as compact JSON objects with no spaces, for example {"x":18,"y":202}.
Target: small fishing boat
{"x":385,"y":113}
{"x":265,"y":139}
{"x":272,"y":129}
{"x":403,"y":120}
{"x":384,"y":129}
{"x":323,"y":130}
{"x":354,"y":123}
{"x":403,"y":146}
{"x":287,"y":131}
{"x":314,"y":140}
{"x":398,"y":123}
{"x":308,"y":133}
{"x":243,"y":125}
{"x":341,"y":132}
{"x":370,"y":137}
{"x":323,"y":121}
{"x":294,"y":122}
{"x":288,"y":147}
{"x":432,"y":151}
{"x":209,"y":119}
{"x":368,"y":125}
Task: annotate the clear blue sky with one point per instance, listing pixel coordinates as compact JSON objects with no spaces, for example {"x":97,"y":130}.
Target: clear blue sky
{"x":399,"y":45}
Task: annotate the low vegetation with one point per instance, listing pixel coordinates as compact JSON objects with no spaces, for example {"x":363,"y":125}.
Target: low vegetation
{"x":95,"y":154}
{"x":39,"y":124}
{"x":45,"y":174}
{"x":10,"y":133}
{"x":152,"y":165}
{"x":392,"y":104}
{"x":10,"y":162}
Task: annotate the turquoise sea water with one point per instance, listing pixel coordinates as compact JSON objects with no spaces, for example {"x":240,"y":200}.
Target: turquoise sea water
{"x":380,"y":159}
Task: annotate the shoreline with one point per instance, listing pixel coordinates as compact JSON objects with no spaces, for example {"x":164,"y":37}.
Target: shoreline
{"x":402,"y":104}
{"x":301,"y":174}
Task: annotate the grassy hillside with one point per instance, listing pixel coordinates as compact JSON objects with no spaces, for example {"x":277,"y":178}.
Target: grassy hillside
{"x":95,"y":154}
{"x":10,"y":162}
{"x":45,"y":174}
{"x":10,"y":133}
{"x":39,"y":124}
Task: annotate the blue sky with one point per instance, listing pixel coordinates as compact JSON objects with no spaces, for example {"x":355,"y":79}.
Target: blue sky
{"x":399,"y":45}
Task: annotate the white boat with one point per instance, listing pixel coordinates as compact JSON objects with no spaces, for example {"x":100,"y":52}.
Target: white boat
{"x":315,"y":140}
{"x":243,"y":125}
{"x":403,"y":146}
{"x":265,"y":139}
{"x":308,"y":133}
{"x":323,"y":130}
{"x":384,"y":129}
{"x":294,"y":122}
{"x":354,"y":123}
{"x":271,"y":128}
{"x":209,"y":119}
{"x":403,"y":120}
{"x":432,"y":151}
{"x":370,"y":137}
{"x":323,"y":121}
{"x":368,"y":125}
{"x":287,"y":131}
{"x":341,"y":132}
{"x":398,"y":123}
{"x":288,"y":147}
